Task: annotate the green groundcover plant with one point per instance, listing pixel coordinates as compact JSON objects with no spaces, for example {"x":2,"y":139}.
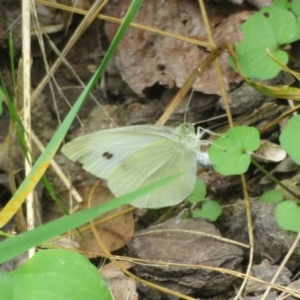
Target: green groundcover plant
{"x":239,"y":143}
{"x":54,"y":275}
{"x":265,"y":35}
{"x":68,"y":275}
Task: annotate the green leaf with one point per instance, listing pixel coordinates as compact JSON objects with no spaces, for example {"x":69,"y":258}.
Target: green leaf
{"x":282,"y":4}
{"x":229,"y":153}
{"x":295,"y":6}
{"x":37,"y":171}
{"x":56,"y":275}
{"x":267,"y":29}
{"x":274,"y":196}
{"x":210,"y":210}
{"x":198,"y":192}
{"x":22,"y":242}
{"x":6,"y":286}
{"x":290,"y":138}
{"x":288,"y":216}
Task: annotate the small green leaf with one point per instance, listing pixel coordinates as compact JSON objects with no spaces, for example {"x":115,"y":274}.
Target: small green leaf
{"x":6,"y":286}
{"x":229,"y":153}
{"x":198,"y":193}
{"x":274,"y":196}
{"x":267,"y":29}
{"x":282,"y":4}
{"x":295,"y":6}
{"x":288,"y":216}
{"x":210,"y":210}
{"x":59,"y":275}
{"x":290,"y":138}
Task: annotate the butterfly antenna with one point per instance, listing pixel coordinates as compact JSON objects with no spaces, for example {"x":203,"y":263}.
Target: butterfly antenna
{"x":191,"y":95}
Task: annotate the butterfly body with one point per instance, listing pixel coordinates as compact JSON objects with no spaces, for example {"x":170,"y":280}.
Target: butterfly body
{"x":135,"y":156}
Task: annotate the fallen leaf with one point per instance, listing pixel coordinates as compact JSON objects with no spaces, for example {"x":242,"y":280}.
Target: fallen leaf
{"x":114,"y":233}
{"x":121,"y":286}
{"x":269,"y":152}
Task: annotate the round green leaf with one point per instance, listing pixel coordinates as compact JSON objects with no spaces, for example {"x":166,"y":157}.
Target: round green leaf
{"x":6,"y":286}
{"x":288,"y":216}
{"x":295,"y":6}
{"x":229,"y":153}
{"x":59,"y":275}
{"x":267,"y":29}
{"x":274,"y":196}
{"x":210,"y":210}
{"x":283,"y":24}
{"x":198,"y":193}
{"x":290,"y":138}
{"x":282,"y":3}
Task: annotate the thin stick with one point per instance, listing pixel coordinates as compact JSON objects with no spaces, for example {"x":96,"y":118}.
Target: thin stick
{"x":189,"y":83}
{"x":167,"y":264}
{"x":89,"y":18}
{"x":117,"y":263}
{"x":26,"y":65}
{"x":287,"y":257}
{"x":134,"y":25}
{"x":250,"y":234}
{"x":58,"y":170}
{"x":248,"y":207}
{"x":280,"y":118}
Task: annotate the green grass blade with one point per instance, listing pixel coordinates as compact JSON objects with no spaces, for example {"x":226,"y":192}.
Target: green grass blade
{"x":21,"y":243}
{"x":44,"y":160}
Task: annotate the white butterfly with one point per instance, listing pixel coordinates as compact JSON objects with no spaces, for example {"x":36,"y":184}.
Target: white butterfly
{"x":134,"y":156}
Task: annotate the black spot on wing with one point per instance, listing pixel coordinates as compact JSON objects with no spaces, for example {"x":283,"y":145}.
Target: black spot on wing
{"x":107,"y":155}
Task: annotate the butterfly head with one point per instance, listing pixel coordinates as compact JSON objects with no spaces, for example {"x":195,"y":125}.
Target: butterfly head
{"x":186,"y":130}
{"x":187,"y":136}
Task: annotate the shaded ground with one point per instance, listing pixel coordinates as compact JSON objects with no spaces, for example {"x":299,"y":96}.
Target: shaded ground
{"x":146,"y":73}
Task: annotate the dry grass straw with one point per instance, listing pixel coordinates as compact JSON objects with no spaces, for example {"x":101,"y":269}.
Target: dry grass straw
{"x":89,"y":18}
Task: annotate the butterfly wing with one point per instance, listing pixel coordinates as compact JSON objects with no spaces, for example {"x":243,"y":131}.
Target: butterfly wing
{"x":134,"y":156}
{"x":159,"y":160}
{"x":102,"y":151}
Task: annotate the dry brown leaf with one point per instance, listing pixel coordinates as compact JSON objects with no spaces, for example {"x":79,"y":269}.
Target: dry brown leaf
{"x":114,"y":233}
{"x":145,"y":58}
{"x":291,"y":183}
{"x":110,"y":270}
{"x":266,"y":272}
{"x":121,"y":286}
{"x":287,"y":165}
